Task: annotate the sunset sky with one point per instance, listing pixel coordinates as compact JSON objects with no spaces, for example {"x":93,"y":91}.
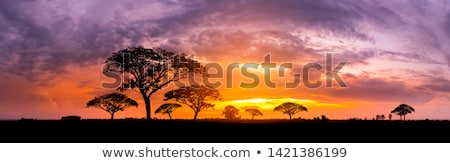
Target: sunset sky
{"x":52,"y":53}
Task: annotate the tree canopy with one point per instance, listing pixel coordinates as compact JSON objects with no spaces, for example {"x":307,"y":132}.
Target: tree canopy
{"x":290,"y":108}
{"x":195,"y":96}
{"x":167,"y":108}
{"x":112,"y":103}
{"x":231,"y":112}
{"x":254,"y":111}
{"x":402,"y":110}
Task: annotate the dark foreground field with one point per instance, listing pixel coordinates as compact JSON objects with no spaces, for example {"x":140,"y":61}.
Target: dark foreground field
{"x":223,"y":131}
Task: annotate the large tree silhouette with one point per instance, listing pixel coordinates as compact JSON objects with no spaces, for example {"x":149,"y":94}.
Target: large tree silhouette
{"x":167,"y":108}
{"x":112,"y":103}
{"x":195,"y":96}
{"x":290,"y":108}
{"x":149,"y":70}
{"x":254,"y":112}
{"x":231,"y":112}
{"x":402,"y":110}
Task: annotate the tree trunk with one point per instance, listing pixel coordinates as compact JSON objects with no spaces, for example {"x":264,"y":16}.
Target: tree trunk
{"x":195,"y":116}
{"x":290,"y":117}
{"x":170,"y":116}
{"x":147,"y":108}
{"x":253,"y":117}
{"x":112,"y":115}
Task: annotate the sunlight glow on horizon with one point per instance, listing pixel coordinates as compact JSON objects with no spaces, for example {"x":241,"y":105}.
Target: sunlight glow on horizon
{"x":271,"y":103}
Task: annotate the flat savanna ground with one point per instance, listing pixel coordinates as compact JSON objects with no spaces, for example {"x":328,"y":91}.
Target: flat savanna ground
{"x":261,"y":131}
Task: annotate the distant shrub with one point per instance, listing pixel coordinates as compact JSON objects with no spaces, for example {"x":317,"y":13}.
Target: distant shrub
{"x":71,"y":118}
{"x":27,"y":119}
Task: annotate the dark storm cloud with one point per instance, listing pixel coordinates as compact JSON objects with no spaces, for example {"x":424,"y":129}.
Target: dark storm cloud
{"x":35,"y":44}
{"x":18,"y":23}
{"x":272,"y":19}
{"x":43,"y":36}
{"x":330,"y":16}
{"x":436,"y":84}
{"x":360,"y":57}
{"x":446,"y":28}
{"x":28,"y":40}
{"x":37,"y":40}
{"x":447,"y":25}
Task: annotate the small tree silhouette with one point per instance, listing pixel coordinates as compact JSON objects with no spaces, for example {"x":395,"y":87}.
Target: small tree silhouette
{"x":195,"y":96}
{"x":112,"y":103}
{"x":231,"y":112}
{"x":254,"y":112}
{"x":402,"y":110}
{"x":167,"y":108}
{"x":290,"y":108}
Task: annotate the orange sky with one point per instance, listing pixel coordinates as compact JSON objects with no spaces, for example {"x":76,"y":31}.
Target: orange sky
{"x":68,"y":96}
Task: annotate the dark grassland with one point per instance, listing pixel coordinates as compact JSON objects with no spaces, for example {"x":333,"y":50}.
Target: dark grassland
{"x":222,"y":131}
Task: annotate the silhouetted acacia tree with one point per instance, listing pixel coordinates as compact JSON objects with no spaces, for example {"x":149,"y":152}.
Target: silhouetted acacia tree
{"x":290,"y":108}
{"x":167,"y":108}
{"x":195,"y":96}
{"x":112,"y":103}
{"x":402,"y":110}
{"x":231,"y":112}
{"x":254,"y":112}
{"x":148,"y":70}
